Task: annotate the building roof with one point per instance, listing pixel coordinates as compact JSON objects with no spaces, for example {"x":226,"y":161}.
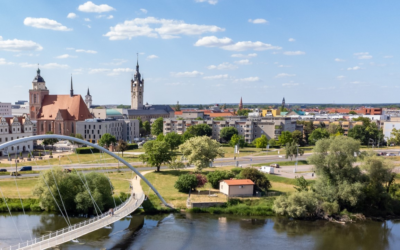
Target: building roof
{"x":239,"y":182}
{"x":38,"y":77}
{"x":112,"y":112}
{"x":70,"y":107}
{"x":133,"y":112}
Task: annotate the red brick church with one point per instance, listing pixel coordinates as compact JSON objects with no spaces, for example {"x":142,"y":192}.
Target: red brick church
{"x":56,"y":113}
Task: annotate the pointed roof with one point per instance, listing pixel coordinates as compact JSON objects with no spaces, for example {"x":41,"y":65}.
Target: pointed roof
{"x":88,"y":93}
{"x":38,"y":77}
{"x":71,"y":107}
{"x":241,"y":103}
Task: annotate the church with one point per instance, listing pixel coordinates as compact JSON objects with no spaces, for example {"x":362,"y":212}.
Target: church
{"x":56,"y":113}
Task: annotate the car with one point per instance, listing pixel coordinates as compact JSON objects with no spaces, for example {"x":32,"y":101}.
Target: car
{"x":26,"y":168}
{"x":3,"y":170}
{"x":275,"y":165}
{"x":15,"y":174}
{"x":383,"y":153}
{"x":391,"y":154}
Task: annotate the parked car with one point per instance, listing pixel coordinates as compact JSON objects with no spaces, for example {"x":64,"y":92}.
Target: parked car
{"x":266,"y":169}
{"x":275,"y":165}
{"x":15,"y":174}
{"x":391,"y":154}
{"x":383,"y":153}
{"x":26,"y":168}
{"x":3,"y":170}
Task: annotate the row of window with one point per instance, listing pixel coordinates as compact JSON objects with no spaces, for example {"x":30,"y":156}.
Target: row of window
{"x":11,"y":138}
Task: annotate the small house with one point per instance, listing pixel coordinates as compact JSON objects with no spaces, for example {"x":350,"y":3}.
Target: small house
{"x":237,"y":188}
{"x":267,"y":169}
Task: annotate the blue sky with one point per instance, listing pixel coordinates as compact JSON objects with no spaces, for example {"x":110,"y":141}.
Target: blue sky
{"x":204,"y":51}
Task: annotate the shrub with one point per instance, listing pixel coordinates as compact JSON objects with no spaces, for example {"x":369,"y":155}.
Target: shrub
{"x":201,"y":180}
{"x":259,"y":178}
{"x":297,"y":205}
{"x":216,"y":176}
{"x":186,"y":182}
{"x":236,"y":171}
{"x":132,"y":146}
{"x":87,"y":150}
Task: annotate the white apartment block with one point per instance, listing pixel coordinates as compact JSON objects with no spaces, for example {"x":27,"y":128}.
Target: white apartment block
{"x":250,"y":129}
{"x":15,"y":128}
{"x":93,"y":129}
{"x":5,"y":109}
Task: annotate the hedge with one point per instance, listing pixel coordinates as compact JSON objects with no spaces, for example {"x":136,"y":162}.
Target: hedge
{"x":87,"y":150}
{"x":132,"y":146}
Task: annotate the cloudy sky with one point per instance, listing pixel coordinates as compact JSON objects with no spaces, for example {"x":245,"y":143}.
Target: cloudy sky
{"x":204,"y":51}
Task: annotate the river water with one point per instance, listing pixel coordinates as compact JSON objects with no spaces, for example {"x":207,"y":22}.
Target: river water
{"x":204,"y":231}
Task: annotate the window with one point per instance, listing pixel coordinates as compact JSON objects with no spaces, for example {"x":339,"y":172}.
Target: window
{"x":49,"y":127}
{"x":240,"y":186}
{"x":72,"y":128}
{"x":41,"y":127}
{"x":59,"y":128}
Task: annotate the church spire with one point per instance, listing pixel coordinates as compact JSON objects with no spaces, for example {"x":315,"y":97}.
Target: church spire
{"x":241,"y":104}
{"x":72,"y":88}
{"x":137,"y":62}
{"x":88,"y":92}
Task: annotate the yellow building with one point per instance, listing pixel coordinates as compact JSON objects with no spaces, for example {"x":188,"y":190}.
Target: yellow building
{"x":270,"y":112}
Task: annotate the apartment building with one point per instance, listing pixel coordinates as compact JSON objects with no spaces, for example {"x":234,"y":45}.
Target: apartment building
{"x":93,"y":129}
{"x":12,"y":128}
{"x":250,"y":129}
{"x":5,"y":109}
{"x":346,"y":125}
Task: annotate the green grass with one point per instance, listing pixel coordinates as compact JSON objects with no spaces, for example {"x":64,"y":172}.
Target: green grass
{"x":282,"y":163}
{"x":275,"y":178}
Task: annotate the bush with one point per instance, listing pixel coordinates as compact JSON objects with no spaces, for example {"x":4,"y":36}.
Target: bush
{"x":132,"y":146}
{"x":87,"y":150}
{"x":216,"y":176}
{"x":259,"y":178}
{"x":236,"y":171}
{"x":297,"y":205}
{"x":201,"y":180}
{"x":186,"y":182}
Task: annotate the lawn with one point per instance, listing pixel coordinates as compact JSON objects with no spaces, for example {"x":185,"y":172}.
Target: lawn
{"x":283,"y":163}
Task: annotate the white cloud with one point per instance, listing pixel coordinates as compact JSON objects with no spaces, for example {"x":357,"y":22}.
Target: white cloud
{"x":25,"y":54}
{"x":340,"y":77}
{"x":91,"y":7}
{"x":294,"y":53}
{"x":18,"y":45}
{"x":388,"y":57}
{"x":78,"y":71}
{"x":363,"y":55}
{"x":223,"y":66}
{"x":87,"y":19}
{"x":65,"y":56}
{"x":194,"y":73}
{"x":4,"y":62}
{"x":89,"y":26}
{"x":69,"y":48}
{"x":152,"y":57}
{"x":280,"y":75}
{"x":227,"y":44}
{"x":244,"y":56}
{"x":248,"y":79}
{"x":339,"y":60}
{"x":213,"y":2}
{"x":86,"y":51}
{"x":243,"y":62}
{"x":290,"y":84}
{"x":354,"y":68}
{"x":284,"y":66}
{"x":143,"y":11}
{"x":292,"y":40}
{"x":117,"y":71}
{"x":116,"y":62}
{"x":216,"y":77}
{"x":72,"y":15}
{"x":99,"y":70}
{"x":258,"y":21}
{"x":45,"y":23}
{"x":44,"y":66}
{"x":356,"y":82}
{"x":153,"y":27}
{"x":110,"y":17}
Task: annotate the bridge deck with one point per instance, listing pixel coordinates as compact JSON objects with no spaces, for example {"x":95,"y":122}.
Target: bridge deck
{"x":77,"y":230}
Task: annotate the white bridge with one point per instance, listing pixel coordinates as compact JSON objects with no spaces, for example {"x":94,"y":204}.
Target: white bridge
{"x":75,"y":231}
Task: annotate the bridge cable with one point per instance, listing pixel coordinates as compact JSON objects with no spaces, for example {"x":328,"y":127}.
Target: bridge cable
{"x":108,"y":177}
{"x":87,"y":189}
{"x":4,"y":199}
{"x":87,"y":184}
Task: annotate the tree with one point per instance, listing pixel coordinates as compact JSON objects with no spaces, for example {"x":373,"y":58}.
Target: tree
{"x":173,"y":139}
{"x":186,"y":136}
{"x":227,"y":133}
{"x":147,"y":127}
{"x":298,"y":137}
{"x":51,"y":141}
{"x":216,"y":176}
{"x":201,"y":151}
{"x":201,"y":180}
{"x":156,"y":153}
{"x":366,"y":132}
{"x":395,"y":136}
{"x":292,"y":150}
{"x":237,"y":140}
{"x":243,"y":112}
{"x":219,"y":118}
{"x":260,"y":180}
{"x":78,"y":136}
{"x":177,"y":107}
{"x":107,"y":139}
{"x":176,"y":164}
{"x":318,"y":134}
{"x":157,"y":126}
{"x":122,"y":146}
{"x":301,"y":184}
{"x":334,"y":129}
{"x":160,"y":137}
{"x":272,"y":142}
{"x":199,"y":119}
{"x":261,"y":142}
{"x":200,"y":130}
{"x":352,"y":112}
{"x":285,"y":137}
{"x":186,"y":183}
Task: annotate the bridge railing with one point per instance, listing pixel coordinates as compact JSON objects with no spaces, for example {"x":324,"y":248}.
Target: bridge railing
{"x":71,"y":232}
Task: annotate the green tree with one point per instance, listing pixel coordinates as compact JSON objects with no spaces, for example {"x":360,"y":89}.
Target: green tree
{"x":78,"y":136}
{"x":156,"y":153}
{"x":298,"y":137}
{"x":334,"y":129}
{"x":186,"y":136}
{"x":297,"y":205}
{"x":219,"y":118}
{"x":160,"y":137}
{"x":395,"y":136}
{"x":285,"y":137}
{"x":301,"y":184}
{"x":292,"y":150}
{"x":122,"y":146}
{"x":272,"y":142}
{"x":157,"y":126}
{"x":243,"y":112}
{"x":176,"y":164}
{"x":147,"y":127}
{"x":200,"y":130}
{"x":261,"y":142}
{"x":227,"y":133}
{"x":199,"y":119}
{"x":107,"y":139}
{"x":214,"y":177}
{"x":237,"y":140}
{"x":173,"y":139}
{"x":260,"y":180}
{"x":186,"y":183}
{"x":352,"y":112}
{"x":318,"y":134}
{"x":51,"y":141}
{"x":177,"y":107}
{"x":201,"y":151}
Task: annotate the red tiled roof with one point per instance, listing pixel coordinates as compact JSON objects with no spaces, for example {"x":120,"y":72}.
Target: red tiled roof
{"x":239,"y":182}
{"x":70,"y":107}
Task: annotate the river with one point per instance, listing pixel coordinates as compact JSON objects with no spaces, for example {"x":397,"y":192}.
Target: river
{"x":204,"y":231}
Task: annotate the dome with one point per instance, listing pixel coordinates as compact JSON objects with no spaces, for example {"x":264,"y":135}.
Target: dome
{"x":38,"y":77}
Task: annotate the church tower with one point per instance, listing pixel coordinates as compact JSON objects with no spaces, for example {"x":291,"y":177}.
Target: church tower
{"x":36,"y":95}
{"x":137,"y":89}
{"x":283,"y":103}
{"x":88,"y":99}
